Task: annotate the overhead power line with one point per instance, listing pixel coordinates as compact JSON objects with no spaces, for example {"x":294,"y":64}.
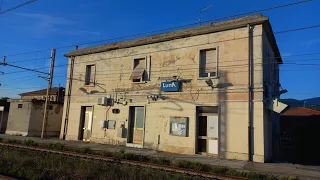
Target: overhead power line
{"x":16,"y":7}
{"x":232,"y":39}
{"x":27,"y":69}
{"x":166,"y":29}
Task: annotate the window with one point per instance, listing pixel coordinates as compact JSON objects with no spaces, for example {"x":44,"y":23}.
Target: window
{"x":19,"y":105}
{"x":139,"y":70}
{"x":208,"y":63}
{"x":90,"y":75}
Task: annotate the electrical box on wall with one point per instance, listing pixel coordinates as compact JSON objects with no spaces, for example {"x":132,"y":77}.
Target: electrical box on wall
{"x":108,"y":124}
{"x":121,"y":132}
{"x":104,"y":124}
{"x":111,"y":124}
{"x":105,"y":101}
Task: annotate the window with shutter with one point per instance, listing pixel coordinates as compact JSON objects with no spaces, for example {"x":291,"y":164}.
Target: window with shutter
{"x":208,"y":63}
{"x":139,"y":69}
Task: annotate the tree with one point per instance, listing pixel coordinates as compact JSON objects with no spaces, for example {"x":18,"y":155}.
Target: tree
{"x":5,"y":103}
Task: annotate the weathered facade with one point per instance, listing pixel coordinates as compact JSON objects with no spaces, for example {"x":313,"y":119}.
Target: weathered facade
{"x":191,"y":91}
{"x":26,"y":114}
{"x":25,"y":118}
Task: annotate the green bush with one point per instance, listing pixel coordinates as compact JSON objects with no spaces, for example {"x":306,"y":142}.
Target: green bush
{"x":121,"y":154}
{"x":232,"y":172}
{"x":85,"y":150}
{"x":55,"y":146}
{"x":194,"y":165}
{"x":30,"y":143}
{"x":26,"y":164}
{"x":106,"y":153}
{"x":162,"y":161}
{"x":289,"y":178}
{"x":14,"y":141}
{"x":253,"y":175}
{"x":122,"y":151}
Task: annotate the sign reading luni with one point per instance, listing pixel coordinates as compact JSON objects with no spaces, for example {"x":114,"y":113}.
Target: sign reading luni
{"x":172,"y":86}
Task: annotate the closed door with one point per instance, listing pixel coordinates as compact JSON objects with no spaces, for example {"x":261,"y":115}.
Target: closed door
{"x":136,"y":125}
{"x":212,"y":133}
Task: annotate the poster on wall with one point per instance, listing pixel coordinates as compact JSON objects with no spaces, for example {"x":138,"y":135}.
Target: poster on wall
{"x":179,"y":126}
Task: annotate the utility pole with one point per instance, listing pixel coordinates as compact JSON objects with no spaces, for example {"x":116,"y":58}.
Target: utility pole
{"x":48,"y":96}
{"x":66,"y":120}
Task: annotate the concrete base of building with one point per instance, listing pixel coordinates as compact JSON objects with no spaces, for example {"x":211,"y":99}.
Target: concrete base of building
{"x":71,"y":138}
{"x":259,"y":158}
{"x":177,"y":149}
{"x":233,"y":155}
{"x":16,"y":133}
{"x":33,"y":134}
{"x":241,"y":156}
{"x":107,"y":141}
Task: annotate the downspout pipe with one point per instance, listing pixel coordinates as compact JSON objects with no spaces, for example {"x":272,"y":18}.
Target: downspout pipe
{"x":249,"y":94}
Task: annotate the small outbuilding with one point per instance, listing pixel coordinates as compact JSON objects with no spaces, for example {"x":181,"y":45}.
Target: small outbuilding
{"x":299,"y":134}
{"x":26,"y":114}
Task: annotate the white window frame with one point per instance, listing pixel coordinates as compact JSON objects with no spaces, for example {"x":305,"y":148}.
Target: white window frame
{"x":217,"y":63}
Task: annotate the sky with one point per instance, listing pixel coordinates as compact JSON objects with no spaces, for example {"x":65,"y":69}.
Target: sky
{"x":48,"y":24}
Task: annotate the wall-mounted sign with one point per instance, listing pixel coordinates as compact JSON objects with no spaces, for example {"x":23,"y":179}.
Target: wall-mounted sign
{"x":172,"y":86}
{"x":179,"y":126}
{"x":1,"y":108}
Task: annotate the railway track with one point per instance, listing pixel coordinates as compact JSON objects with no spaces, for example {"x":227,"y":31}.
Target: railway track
{"x":129,"y":162}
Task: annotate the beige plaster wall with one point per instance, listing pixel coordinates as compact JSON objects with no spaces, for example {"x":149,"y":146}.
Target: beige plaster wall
{"x":176,"y":58}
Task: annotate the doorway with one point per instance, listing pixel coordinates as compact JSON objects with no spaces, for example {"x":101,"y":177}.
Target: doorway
{"x":85,"y":123}
{"x":207,"y":130}
{"x":136,"y":125}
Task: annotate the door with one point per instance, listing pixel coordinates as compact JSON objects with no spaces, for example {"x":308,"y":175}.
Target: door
{"x":136,"y":125}
{"x":85,"y":123}
{"x":207,"y":131}
{"x":212,"y":134}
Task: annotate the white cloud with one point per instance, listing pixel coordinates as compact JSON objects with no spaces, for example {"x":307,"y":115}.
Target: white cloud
{"x":43,"y":24}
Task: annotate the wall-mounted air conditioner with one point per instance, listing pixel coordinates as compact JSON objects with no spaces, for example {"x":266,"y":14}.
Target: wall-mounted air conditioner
{"x":105,"y":101}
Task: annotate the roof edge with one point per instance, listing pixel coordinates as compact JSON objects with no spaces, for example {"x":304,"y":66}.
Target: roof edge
{"x":178,"y":34}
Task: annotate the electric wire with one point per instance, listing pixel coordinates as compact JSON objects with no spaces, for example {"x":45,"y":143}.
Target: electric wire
{"x":16,"y":7}
{"x":166,"y":29}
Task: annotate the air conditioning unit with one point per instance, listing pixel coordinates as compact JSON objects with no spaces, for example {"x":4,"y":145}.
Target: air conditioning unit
{"x":105,"y":101}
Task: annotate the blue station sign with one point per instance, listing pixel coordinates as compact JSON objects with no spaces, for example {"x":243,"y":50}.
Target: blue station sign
{"x":172,"y":86}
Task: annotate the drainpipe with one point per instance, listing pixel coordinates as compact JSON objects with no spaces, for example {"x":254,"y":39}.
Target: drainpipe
{"x":249,"y":95}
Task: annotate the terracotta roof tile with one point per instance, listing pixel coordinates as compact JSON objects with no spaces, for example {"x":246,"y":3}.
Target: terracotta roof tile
{"x":301,"y":111}
{"x":54,"y":90}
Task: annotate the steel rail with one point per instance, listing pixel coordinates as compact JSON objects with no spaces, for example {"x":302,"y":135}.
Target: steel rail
{"x":129,"y":162}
